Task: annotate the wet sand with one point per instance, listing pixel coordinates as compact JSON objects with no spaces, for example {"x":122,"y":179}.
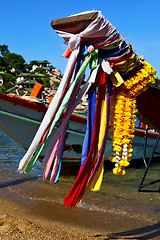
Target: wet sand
{"x":24,"y":214}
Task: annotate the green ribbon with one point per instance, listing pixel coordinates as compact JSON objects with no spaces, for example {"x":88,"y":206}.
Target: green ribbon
{"x":94,"y":60}
{"x":94,"y":57}
{"x":111,"y":46}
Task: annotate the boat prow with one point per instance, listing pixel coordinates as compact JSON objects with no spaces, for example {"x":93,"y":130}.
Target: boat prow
{"x":21,"y":118}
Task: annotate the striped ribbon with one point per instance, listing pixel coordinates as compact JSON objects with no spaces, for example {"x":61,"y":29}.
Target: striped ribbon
{"x":80,"y":185}
{"x":97,"y":175}
{"x":60,"y":110}
{"x":50,"y":112}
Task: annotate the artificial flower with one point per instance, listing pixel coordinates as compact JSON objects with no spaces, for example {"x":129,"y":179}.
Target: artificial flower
{"x":123,"y":115}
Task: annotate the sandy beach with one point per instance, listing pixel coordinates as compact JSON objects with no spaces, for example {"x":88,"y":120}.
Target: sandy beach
{"x":24,"y":214}
{"x":32,"y":208}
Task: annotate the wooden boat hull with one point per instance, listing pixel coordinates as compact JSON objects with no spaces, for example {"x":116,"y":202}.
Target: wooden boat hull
{"x":148,"y":104}
{"x":20,"y":119}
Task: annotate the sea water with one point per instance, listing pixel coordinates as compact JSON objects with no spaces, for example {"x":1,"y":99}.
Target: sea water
{"x":118,"y":194}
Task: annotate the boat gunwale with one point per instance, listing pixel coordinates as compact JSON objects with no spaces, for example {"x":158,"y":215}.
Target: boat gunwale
{"x":139,"y":132}
{"x":39,"y":107}
{"x":36,"y":121}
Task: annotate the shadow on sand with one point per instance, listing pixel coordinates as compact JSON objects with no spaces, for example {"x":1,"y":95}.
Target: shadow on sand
{"x":16,"y":182}
{"x":147,"y":232}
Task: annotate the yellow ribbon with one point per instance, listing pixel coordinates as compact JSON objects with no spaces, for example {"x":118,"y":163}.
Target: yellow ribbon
{"x":116,"y":79}
{"x":96,"y":181}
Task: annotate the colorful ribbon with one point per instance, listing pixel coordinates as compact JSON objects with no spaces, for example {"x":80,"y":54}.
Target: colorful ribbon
{"x":78,"y":189}
{"x":110,"y":58}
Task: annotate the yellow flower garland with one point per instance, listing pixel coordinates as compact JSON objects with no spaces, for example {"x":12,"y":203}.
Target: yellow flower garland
{"x":123,"y":113}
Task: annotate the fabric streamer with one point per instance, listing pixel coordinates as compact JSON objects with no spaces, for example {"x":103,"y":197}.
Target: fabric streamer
{"x":97,"y":178}
{"x":78,"y":189}
{"x":90,"y":123}
{"x":97,"y":175}
{"x":60,"y":110}
{"x":70,"y":110}
{"x":117,"y":76}
{"x":50,"y":112}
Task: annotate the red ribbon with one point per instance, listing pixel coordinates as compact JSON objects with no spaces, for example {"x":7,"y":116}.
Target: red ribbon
{"x":79,"y":187}
{"x":67,"y":53}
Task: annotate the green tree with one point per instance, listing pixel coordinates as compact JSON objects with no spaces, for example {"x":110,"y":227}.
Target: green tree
{"x":29,"y":66}
{"x":46,"y":81}
{"x":8,"y":82}
{"x":34,"y":62}
{"x":4,"y":49}
{"x":7,"y":77}
{"x":13,"y":60}
{"x":3,"y":90}
{"x":2,"y":63}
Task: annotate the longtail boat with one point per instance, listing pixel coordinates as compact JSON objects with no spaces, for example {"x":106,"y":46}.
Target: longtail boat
{"x":21,"y":118}
{"x":120,"y":84}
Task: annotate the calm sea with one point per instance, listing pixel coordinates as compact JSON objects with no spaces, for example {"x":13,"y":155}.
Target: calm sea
{"x":118,"y":194}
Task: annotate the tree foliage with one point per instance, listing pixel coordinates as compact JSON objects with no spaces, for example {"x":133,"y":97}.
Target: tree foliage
{"x":8,"y":82}
{"x":45,"y":80}
{"x":10,"y":60}
{"x":9,"y":78}
{"x":2,"y":63}
{"x":33,"y":62}
{"x":3,"y":49}
{"x":13,"y":60}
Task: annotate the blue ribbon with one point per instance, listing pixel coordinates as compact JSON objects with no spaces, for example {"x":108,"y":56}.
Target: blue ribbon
{"x":90,"y":123}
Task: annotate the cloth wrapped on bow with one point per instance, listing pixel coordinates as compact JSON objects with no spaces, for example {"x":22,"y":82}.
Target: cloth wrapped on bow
{"x":113,"y":66}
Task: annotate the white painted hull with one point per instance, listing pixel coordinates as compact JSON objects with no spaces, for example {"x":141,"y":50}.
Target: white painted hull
{"x":20,"y":120}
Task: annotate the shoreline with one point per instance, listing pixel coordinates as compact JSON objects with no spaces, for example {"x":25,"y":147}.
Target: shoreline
{"x":36,"y":219}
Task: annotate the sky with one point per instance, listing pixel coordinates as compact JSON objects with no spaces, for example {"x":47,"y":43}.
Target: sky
{"x":25,"y":26}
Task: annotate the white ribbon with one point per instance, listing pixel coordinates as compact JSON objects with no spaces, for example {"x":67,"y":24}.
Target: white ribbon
{"x":99,"y":28}
{"x":50,"y":113}
{"x":106,"y":66}
{"x":78,"y":98}
{"x":74,"y":41}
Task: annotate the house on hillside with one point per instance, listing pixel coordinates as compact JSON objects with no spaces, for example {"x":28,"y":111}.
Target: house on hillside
{"x":43,"y":64}
{"x":26,"y":77}
{"x":25,"y":83}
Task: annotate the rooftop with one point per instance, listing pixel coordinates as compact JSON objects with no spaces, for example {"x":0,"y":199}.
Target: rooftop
{"x":31,"y":75}
{"x":26,"y":82}
{"x":43,"y":61}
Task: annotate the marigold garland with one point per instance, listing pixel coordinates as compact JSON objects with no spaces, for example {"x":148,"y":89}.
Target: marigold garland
{"x":123,"y":115}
